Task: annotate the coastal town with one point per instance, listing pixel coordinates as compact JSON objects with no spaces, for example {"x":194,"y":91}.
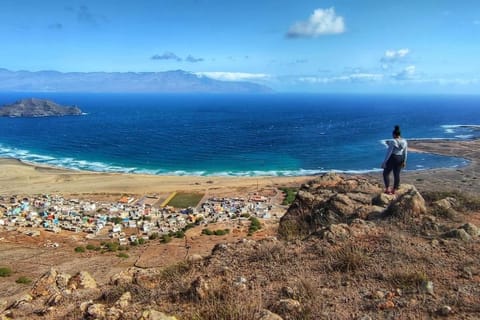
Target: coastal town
{"x":129,"y":218}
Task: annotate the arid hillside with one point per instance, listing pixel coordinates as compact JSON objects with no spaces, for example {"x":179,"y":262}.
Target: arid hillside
{"x":344,"y":250}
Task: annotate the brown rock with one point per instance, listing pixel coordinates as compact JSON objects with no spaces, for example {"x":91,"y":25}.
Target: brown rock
{"x":268,"y":315}
{"x":46,"y":285}
{"x":152,"y":314}
{"x":82,"y":280}
{"x":199,"y":289}
{"x":96,"y":311}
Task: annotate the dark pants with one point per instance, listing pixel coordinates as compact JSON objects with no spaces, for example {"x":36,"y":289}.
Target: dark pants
{"x":394,"y":163}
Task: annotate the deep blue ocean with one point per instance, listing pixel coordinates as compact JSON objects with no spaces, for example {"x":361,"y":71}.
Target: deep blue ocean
{"x":238,"y":135}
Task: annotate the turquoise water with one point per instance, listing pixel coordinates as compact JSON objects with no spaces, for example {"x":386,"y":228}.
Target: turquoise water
{"x":237,"y":135}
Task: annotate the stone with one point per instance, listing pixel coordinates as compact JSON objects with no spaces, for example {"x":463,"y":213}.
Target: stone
{"x":62,"y":280}
{"x":123,"y":278}
{"x":408,"y":202}
{"x":113,"y":314}
{"x":152,"y":314}
{"x":82,"y":280}
{"x":199,"y":289}
{"x":147,"y":278}
{"x":46,"y":285}
{"x":287,"y":306}
{"x":84,"y":305}
{"x":194,"y":258}
{"x":96,"y":311}
{"x":386,"y":305}
{"x":55,"y":299}
{"x":378,"y":294}
{"x":267,"y":315}
{"x":427,"y":286}
{"x":288,"y":292}
{"x":471,"y":229}
{"x":124,"y":300}
{"x":460,"y":234}
{"x":444,"y":310}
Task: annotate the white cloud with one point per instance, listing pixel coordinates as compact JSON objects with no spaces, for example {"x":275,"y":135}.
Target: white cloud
{"x":406,"y":73}
{"x":395,"y":55}
{"x":321,"y":22}
{"x":354,"y":77}
{"x":233,"y":76}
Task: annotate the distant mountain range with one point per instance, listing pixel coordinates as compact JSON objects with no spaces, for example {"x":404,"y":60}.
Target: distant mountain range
{"x":178,"y":81}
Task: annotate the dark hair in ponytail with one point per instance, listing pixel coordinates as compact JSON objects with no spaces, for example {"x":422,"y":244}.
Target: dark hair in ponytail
{"x":396,"y":131}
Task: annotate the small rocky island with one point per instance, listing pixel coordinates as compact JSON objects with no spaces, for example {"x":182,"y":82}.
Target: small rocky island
{"x":33,"y":107}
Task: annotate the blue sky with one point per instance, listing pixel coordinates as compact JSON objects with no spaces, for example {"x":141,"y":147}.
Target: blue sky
{"x":386,"y":46}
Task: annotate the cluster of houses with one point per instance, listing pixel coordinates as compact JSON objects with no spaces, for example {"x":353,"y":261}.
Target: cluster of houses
{"x":125,"y":219}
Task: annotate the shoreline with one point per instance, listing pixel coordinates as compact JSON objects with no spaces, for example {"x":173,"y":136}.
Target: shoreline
{"x":20,"y":177}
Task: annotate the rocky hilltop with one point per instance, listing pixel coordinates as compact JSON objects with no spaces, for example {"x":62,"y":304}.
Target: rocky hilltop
{"x":345,"y":251}
{"x":37,"y":108}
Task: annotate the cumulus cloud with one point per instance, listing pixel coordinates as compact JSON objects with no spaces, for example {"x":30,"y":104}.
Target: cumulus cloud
{"x":321,"y":22}
{"x":233,"y":76}
{"x":167,"y":55}
{"x":406,"y":73}
{"x":192,"y":59}
{"x":395,"y":55}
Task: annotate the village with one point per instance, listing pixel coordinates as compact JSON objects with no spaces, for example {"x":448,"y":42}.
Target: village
{"x":129,"y":218}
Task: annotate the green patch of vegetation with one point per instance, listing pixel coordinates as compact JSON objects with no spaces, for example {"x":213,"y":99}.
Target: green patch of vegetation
{"x":185,"y":200}
{"x":153,"y":236}
{"x":122,"y":255}
{"x":5,"y":271}
{"x":79,"y":249}
{"x":111,"y":246}
{"x":218,"y":232}
{"x":165,"y":238}
{"x":255,"y":225}
{"x":141,"y":241}
{"x":177,"y":234}
{"x":290,"y":194}
{"x":23,"y":280}
{"x":116,"y":220}
{"x":90,"y":247}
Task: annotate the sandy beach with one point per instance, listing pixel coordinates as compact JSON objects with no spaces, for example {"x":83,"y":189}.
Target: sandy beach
{"x":17,"y":177}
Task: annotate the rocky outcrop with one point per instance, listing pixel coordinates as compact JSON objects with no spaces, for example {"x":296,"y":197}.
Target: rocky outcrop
{"x":38,"y":108}
{"x":332,"y":202}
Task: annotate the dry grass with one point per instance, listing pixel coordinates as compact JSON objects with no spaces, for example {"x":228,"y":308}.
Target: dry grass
{"x":349,"y":258}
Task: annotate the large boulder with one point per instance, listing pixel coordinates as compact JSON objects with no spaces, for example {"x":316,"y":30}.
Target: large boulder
{"x":329,"y":199}
{"x":331,"y":202}
{"x":46,"y":285}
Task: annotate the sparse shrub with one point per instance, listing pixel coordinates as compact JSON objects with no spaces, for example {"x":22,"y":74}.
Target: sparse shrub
{"x":207,"y":232}
{"x":23,"y":280}
{"x":134,"y":243}
{"x":5,"y":271}
{"x":218,"y":232}
{"x":153,"y":236}
{"x":177,"y":234}
{"x":90,"y":247}
{"x":122,"y":255}
{"x":165,"y":238}
{"x":255,"y":225}
{"x":112,"y":246}
{"x":189,"y":226}
{"x":141,"y":241}
{"x":175,"y":270}
{"x":122,"y":248}
{"x":348,"y":258}
{"x":221,"y":232}
{"x":79,"y":249}
{"x":409,"y":280}
{"x":229,"y":303}
{"x":290,"y":194}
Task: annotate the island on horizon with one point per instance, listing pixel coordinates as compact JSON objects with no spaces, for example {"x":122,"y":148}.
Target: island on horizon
{"x":34,"y":107}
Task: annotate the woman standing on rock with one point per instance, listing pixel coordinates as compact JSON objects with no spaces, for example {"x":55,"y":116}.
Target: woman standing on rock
{"x":395,"y":160}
